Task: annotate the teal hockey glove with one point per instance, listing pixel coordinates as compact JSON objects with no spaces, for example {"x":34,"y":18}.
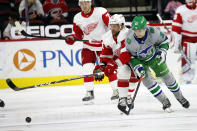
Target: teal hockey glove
{"x":139,"y":71}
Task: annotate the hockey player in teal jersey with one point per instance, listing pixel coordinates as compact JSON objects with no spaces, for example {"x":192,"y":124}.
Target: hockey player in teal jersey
{"x":148,"y":47}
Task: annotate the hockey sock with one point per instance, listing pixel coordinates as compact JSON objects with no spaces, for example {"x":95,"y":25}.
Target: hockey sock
{"x":157,"y":92}
{"x":175,"y":89}
{"x":123,"y":86}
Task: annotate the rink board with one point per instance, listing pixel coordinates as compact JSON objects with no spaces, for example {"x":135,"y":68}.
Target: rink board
{"x":40,"y":61}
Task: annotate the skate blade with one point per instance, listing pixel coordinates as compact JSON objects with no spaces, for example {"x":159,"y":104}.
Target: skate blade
{"x":91,"y":102}
{"x":168,"y":110}
{"x":123,"y":111}
{"x":114,"y":98}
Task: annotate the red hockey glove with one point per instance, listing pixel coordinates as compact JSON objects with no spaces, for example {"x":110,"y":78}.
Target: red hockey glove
{"x":70,"y":39}
{"x":110,"y":68}
{"x":98,"y":72}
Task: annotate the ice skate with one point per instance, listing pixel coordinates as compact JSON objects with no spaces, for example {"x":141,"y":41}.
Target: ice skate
{"x":115,"y":95}
{"x":184,"y":102}
{"x":166,"y":105}
{"x":88,"y":97}
{"x":2,"y":104}
{"x":122,"y":105}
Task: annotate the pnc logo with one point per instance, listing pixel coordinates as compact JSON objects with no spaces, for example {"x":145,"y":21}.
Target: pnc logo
{"x":24,"y":60}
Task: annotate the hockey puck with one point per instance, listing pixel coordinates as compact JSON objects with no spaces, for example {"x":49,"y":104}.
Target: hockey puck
{"x":2,"y":104}
{"x":28,"y":119}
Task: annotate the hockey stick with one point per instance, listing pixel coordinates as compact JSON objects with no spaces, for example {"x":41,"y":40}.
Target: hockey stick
{"x":184,"y":56}
{"x":161,"y":21}
{"x":168,"y":31}
{"x":15,"y":88}
{"x":19,"y":27}
{"x":134,"y":96}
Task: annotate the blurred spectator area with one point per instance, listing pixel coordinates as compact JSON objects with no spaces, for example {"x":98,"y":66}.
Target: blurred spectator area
{"x":56,"y":12}
{"x":163,"y":5}
{"x":34,"y":14}
{"x":131,"y":8}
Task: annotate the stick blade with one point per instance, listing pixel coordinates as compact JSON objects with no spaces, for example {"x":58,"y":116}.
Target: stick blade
{"x":24,"y":33}
{"x":12,"y":85}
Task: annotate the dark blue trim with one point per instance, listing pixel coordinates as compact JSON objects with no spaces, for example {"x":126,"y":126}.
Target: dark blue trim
{"x":164,"y":40}
{"x":158,"y":93}
{"x":172,"y":84}
{"x":176,"y":90}
{"x":153,"y":85}
{"x":145,"y":37}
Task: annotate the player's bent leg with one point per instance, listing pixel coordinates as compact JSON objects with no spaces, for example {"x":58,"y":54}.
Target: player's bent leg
{"x":123,"y":86}
{"x":156,"y":90}
{"x":2,"y":104}
{"x":188,"y":71}
{"x":173,"y":86}
{"x":113,"y":84}
{"x":88,"y":61}
{"x":88,"y":82}
{"x":123,"y":75}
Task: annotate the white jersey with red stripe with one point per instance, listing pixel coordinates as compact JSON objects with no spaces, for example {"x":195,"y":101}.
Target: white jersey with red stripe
{"x":114,"y":48}
{"x":91,"y":27}
{"x":184,"y":29}
{"x":185,"y":23}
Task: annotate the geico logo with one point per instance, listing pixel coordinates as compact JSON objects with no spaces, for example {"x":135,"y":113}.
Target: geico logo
{"x":62,"y":58}
{"x":51,"y":31}
{"x":24,"y":60}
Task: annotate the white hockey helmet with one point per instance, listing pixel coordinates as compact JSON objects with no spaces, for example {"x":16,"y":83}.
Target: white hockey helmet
{"x":83,"y":1}
{"x":117,"y":19}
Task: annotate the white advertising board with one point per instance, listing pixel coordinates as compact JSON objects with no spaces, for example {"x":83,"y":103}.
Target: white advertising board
{"x":39,"y":58}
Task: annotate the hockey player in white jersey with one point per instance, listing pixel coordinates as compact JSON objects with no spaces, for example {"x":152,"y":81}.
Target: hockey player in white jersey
{"x":148,"y":47}
{"x":90,"y":24}
{"x":184,"y":29}
{"x":2,"y":104}
{"x":114,"y":57}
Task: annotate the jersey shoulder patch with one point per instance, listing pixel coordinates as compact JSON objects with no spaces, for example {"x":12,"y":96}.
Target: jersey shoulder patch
{"x":152,"y":30}
{"x":128,"y":40}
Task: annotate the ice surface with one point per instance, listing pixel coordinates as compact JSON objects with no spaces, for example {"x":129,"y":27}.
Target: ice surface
{"x":61,"y":109}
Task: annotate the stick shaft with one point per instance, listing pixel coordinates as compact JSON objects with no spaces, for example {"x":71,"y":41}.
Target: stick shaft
{"x":135,"y":94}
{"x":14,"y":87}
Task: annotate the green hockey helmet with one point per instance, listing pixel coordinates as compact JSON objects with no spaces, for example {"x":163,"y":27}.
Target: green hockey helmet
{"x":139,"y":22}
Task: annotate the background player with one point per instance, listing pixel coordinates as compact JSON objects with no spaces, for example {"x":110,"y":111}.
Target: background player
{"x":91,"y":23}
{"x":114,"y":55}
{"x":184,"y":29}
{"x":148,"y":47}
